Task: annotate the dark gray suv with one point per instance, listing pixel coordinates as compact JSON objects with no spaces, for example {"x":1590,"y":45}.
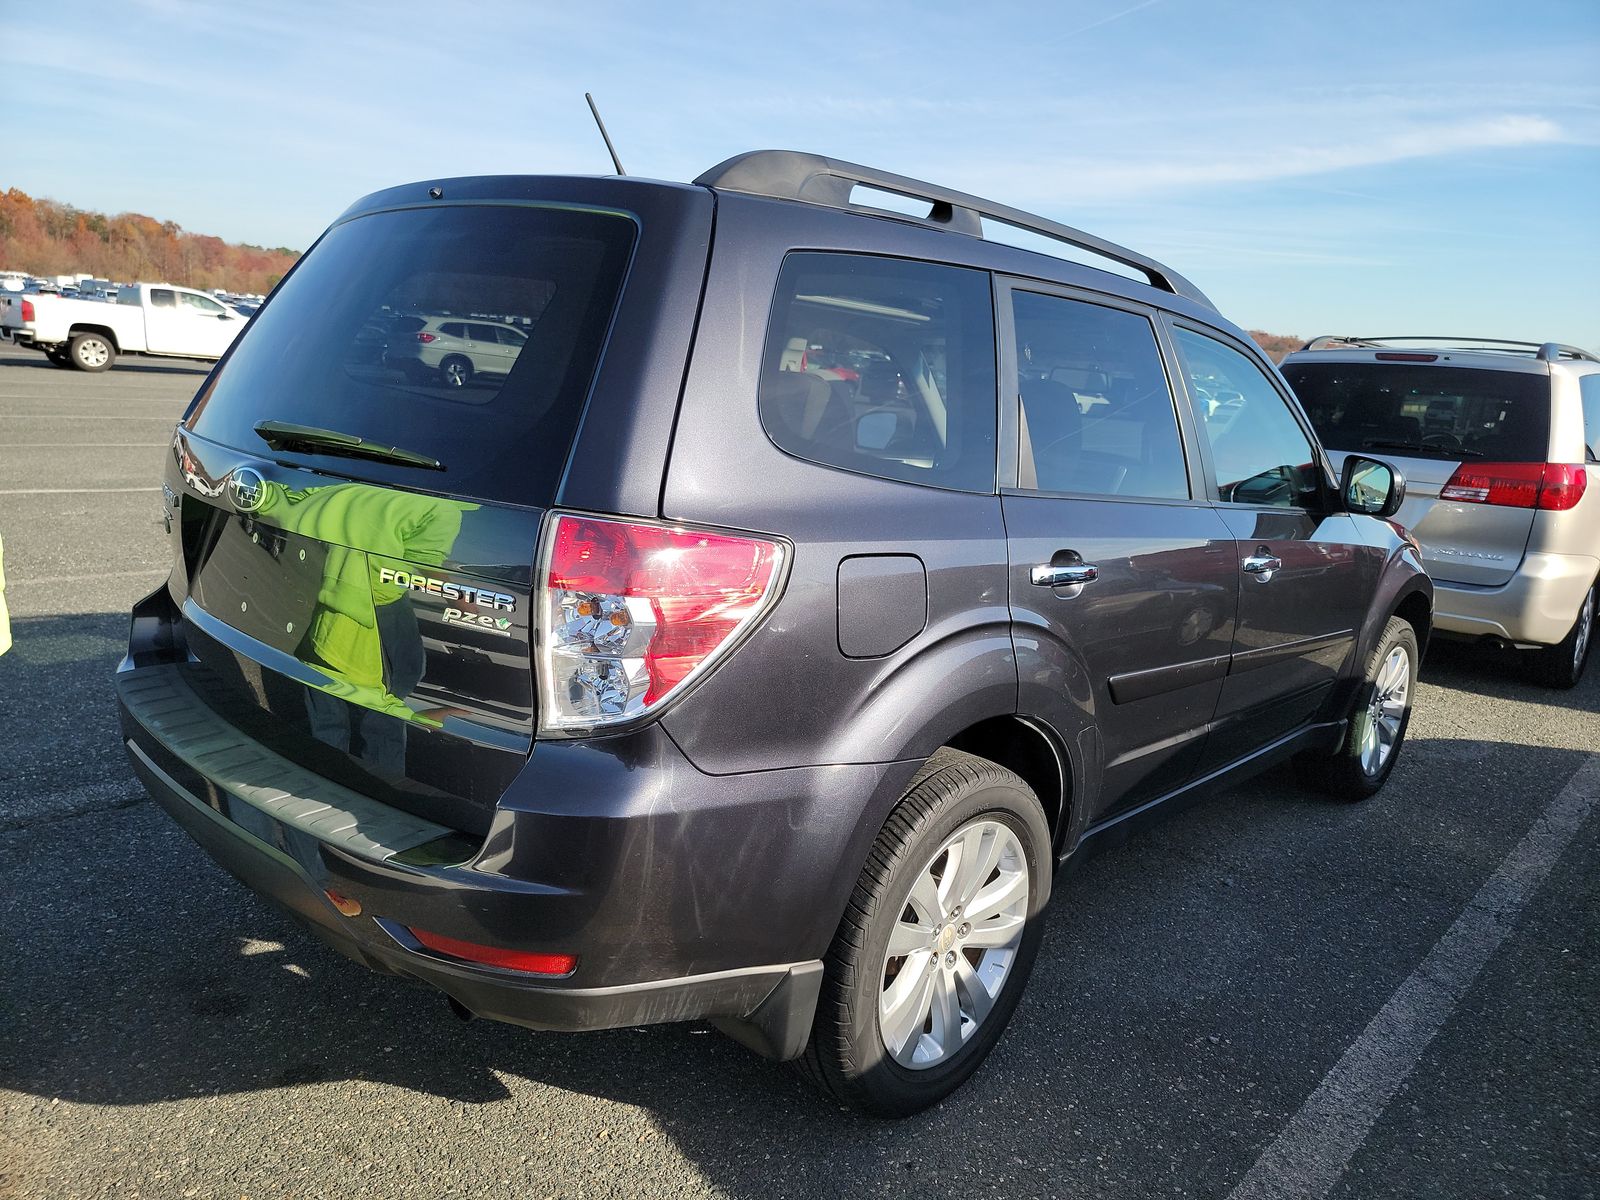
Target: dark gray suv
{"x":814,"y":582}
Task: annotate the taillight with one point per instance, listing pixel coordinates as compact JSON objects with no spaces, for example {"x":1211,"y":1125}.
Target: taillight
{"x":1553,"y":486}
{"x":427,"y":337}
{"x":630,"y":612}
{"x":27,"y":310}
{"x":498,"y":956}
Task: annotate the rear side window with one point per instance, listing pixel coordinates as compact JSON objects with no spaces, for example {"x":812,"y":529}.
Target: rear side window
{"x":885,"y":367}
{"x":370,"y":336}
{"x":1590,"y":385}
{"x":162,"y":298}
{"x":1421,"y":411}
{"x":1097,"y":414}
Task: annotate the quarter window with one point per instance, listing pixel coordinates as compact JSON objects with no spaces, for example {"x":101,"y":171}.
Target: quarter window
{"x":1259,"y":452}
{"x":163,"y":298}
{"x":1097,"y":414}
{"x":883,"y":366}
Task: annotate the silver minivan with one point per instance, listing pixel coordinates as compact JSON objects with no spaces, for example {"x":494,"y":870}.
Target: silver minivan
{"x":1500,"y":445}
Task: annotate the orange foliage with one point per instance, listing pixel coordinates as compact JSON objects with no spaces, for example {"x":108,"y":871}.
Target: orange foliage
{"x":45,"y":237}
{"x":1277,"y":344}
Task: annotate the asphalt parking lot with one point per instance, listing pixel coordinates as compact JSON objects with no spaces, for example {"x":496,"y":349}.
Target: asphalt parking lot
{"x":1266,"y":995}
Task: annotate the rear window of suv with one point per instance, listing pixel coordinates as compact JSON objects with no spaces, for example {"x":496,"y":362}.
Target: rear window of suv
{"x":348,"y":344}
{"x":1425,"y":411}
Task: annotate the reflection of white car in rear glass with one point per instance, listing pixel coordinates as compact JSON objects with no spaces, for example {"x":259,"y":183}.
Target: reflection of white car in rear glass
{"x":457,"y":350}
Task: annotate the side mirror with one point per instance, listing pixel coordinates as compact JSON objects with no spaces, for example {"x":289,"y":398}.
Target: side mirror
{"x":1371,"y":487}
{"x":875,"y":430}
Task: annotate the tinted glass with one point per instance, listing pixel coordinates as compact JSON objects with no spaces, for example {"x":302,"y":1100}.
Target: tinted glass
{"x":1096,"y":407}
{"x":883,"y":367}
{"x":1425,"y":411}
{"x":1590,"y":385}
{"x":162,"y":298}
{"x":1260,"y":454}
{"x":340,"y":346}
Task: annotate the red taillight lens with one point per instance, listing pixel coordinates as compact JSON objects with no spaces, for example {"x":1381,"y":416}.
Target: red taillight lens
{"x":427,"y":337}
{"x":498,"y":956}
{"x":27,"y":310}
{"x":1553,"y":486}
{"x":1563,"y":486}
{"x":630,"y":611}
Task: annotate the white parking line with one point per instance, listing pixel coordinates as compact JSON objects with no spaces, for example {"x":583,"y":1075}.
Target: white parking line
{"x":1313,"y":1150}
{"x":84,"y":445}
{"x":16,"y":582}
{"x":71,"y":491}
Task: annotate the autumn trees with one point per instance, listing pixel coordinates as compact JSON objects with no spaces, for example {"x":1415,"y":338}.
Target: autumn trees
{"x":49,"y":238}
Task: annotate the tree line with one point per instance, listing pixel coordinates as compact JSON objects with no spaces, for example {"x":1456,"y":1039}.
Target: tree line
{"x":46,"y":237}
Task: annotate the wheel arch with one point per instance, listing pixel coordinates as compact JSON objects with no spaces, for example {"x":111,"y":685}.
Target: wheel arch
{"x":1030,"y":750}
{"x":104,"y":331}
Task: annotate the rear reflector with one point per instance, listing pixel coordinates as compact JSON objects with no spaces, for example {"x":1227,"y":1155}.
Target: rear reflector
{"x":1552,"y":486}
{"x":498,"y":956}
{"x":630,"y":612}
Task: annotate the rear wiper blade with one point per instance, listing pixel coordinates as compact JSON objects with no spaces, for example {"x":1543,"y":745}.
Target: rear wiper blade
{"x":282,"y":435}
{"x":1414,"y":448}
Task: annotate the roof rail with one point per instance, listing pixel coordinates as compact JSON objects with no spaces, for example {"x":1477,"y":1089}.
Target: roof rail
{"x":1543,"y":351}
{"x":792,"y":175}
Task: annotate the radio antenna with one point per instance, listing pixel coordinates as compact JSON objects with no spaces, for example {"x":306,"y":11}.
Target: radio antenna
{"x":615,"y":161}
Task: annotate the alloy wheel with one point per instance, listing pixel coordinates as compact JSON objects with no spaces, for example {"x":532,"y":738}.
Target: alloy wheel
{"x":954,"y":943}
{"x":92,"y":352}
{"x":1386,"y":712}
{"x":1580,"y":644}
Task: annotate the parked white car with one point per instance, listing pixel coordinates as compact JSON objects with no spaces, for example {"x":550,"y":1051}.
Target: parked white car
{"x":455,"y":349}
{"x":148,"y":318}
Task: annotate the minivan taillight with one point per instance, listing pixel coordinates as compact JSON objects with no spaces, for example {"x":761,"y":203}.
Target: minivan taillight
{"x":27,"y":310}
{"x":1553,"y":486}
{"x":630,"y":612}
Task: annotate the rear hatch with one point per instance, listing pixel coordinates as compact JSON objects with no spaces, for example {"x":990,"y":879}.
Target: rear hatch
{"x":354,"y":536}
{"x":1433,"y":419}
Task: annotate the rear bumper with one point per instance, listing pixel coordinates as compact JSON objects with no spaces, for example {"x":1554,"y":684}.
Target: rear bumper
{"x":775,"y":1002}
{"x":666,"y":883}
{"x":1537,"y":605}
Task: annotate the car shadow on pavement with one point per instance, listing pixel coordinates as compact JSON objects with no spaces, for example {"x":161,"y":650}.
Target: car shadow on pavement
{"x":1484,"y":669}
{"x":40,"y":362}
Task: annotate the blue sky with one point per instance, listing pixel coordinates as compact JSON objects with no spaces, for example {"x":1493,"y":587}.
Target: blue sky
{"x":1352,"y":167}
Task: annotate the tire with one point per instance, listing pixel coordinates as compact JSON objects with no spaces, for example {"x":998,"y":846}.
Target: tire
{"x":997,"y":817}
{"x":1376,"y":728}
{"x":456,"y":371}
{"x":91,"y":352}
{"x":1561,"y":665}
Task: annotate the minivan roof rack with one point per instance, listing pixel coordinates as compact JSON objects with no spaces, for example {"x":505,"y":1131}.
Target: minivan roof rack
{"x":1543,"y":351}
{"x":792,"y":175}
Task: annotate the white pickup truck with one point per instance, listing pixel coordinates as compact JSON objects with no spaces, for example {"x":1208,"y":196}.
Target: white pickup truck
{"x":148,"y":318}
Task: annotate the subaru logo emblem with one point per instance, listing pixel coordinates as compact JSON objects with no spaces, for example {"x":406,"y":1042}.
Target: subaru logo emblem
{"x":247,"y":489}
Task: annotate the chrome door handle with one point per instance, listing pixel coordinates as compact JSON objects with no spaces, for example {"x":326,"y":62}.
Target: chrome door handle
{"x":1262,"y":566}
{"x":1064,"y":576}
